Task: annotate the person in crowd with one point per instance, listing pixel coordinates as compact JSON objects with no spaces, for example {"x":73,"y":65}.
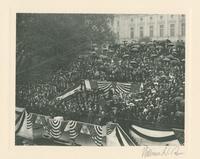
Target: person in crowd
{"x":159,"y":66}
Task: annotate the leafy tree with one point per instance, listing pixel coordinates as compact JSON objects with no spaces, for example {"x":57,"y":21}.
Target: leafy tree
{"x":45,"y":40}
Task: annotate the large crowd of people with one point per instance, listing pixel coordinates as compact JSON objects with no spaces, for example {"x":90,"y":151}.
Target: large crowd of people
{"x":159,"y":66}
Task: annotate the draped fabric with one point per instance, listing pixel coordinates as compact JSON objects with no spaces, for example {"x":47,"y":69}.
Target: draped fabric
{"x":96,"y":134}
{"x":102,"y":86}
{"x":109,"y":128}
{"x":30,"y":120}
{"x":73,"y":127}
{"x":19,"y":118}
{"x":117,"y":137}
{"x":74,"y":130}
{"x":55,"y":128}
{"x":118,"y":87}
{"x":144,"y":136}
{"x":111,"y":134}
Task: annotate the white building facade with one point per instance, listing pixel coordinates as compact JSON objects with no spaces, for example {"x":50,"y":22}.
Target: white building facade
{"x":154,"y":26}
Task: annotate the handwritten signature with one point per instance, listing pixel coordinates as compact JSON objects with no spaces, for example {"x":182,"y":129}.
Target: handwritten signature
{"x":165,"y":151}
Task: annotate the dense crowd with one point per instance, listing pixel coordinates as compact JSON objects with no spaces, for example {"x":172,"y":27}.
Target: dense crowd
{"x":159,"y":66}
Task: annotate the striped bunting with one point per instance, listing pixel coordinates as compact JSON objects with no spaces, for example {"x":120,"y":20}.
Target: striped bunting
{"x":104,"y":86}
{"x":74,"y":129}
{"x":123,"y":88}
{"x":97,"y":135}
{"x":144,"y":136}
{"x":29,"y":122}
{"x":55,"y":131}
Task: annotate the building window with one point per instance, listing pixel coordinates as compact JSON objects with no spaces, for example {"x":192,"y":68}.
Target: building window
{"x":183,"y":29}
{"x":151,"y":18}
{"x":151,"y":31}
{"x":141,"y":32}
{"x":161,"y":17}
{"x":172,"y":29}
{"x":141,"y":19}
{"x":161,"y":30}
{"x":131,"y":20}
{"x":132,"y":33}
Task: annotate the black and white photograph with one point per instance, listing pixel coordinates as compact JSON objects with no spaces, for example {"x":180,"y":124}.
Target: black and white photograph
{"x":100,"y":79}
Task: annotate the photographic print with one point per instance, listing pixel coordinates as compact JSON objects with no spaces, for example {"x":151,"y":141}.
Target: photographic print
{"x":100,"y":79}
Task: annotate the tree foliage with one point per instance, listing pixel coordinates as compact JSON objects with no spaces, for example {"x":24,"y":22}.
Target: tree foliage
{"x":43,"y":37}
